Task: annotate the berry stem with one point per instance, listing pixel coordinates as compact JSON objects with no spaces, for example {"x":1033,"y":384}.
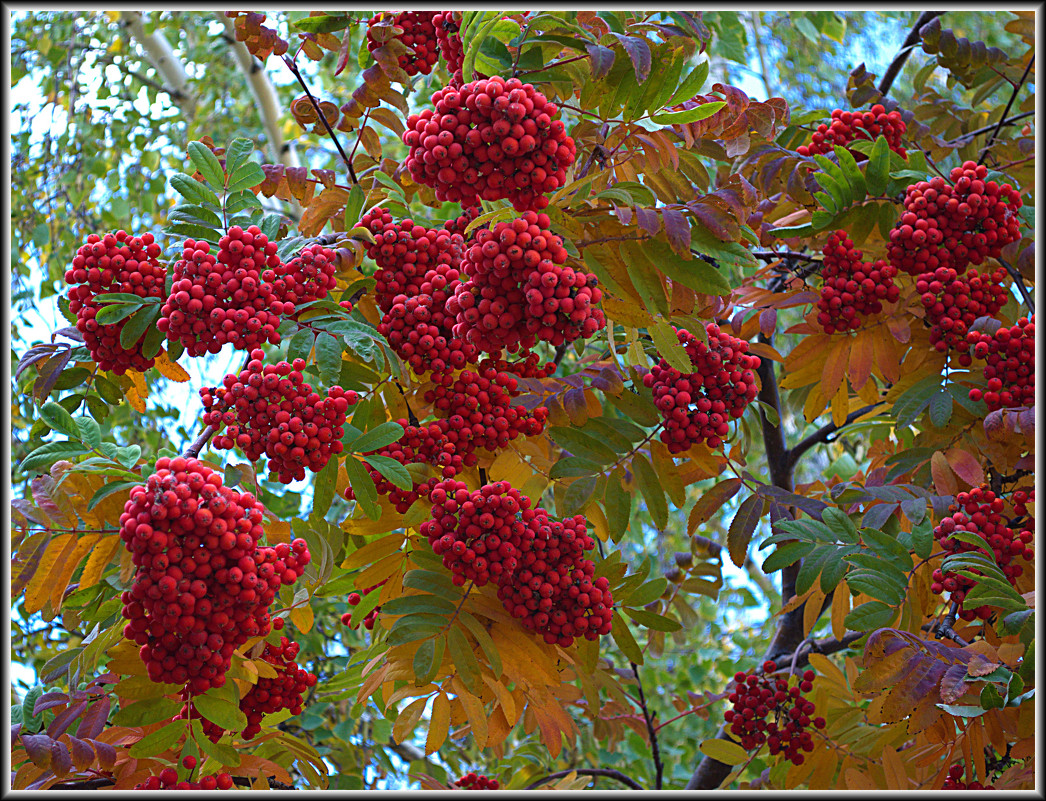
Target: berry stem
{"x":1002,"y":119}
{"x":516,"y":74}
{"x":319,"y":113}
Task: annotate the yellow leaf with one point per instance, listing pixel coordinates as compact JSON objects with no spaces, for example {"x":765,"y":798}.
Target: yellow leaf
{"x":439,"y":724}
{"x":170,"y":369}
{"x":498,"y":727}
{"x":595,"y":515}
{"x":39,"y":587}
{"x":833,"y":372}
{"x":856,"y":780}
{"x":262,"y":668}
{"x":99,"y":560}
{"x":62,"y":572}
{"x":476,"y":714}
{"x":812,"y":610}
{"x":893,"y":767}
{"x":840,"y":609}
{"x":139,"y":688}
{"x":407,"y":720}
{"x":140,"y":388}
{"x":840,"y":405}
{"x":125,"y":659}
{"x":627,"y":312}
{"x":278,"y":531}
{"x":824,"y":769}
{"x":796,"y":600}
{"x":943,"y":478}
{"x":302,"y":617}
{"x":374,"y":551}
{"x":380,"y":571}
{"x":725,"y":751}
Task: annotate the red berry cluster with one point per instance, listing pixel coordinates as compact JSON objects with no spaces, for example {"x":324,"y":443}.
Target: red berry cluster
{"x":270,"y":410}
{"x":282,"y":692}
{"x":953,"y":781}
{"x":518,"y":292}
{"x":224,"y":298}
{"x":698,"y":406}
{"x":846,"y":126}
{"x":203,"y":585}
{"x":307,"y":277}
{"x":117,"y":262}
{"x":1010,"y":368}
{"x":953,"y":302}
{"x":461,"y":222}
{"x":168,"y":780}
{"x":852,"y":289}
{"x":953,"y":225}
{"x":524,"y":366}
{"x":354,"y":600}
{"x":477,"y":781}
{"x":490,"y":139}
{"x":419,"y":35}
{"x":480,"y":403}
{"x":757,"y":696}
{"x":448,"y":34}
{"x":979,"y":511}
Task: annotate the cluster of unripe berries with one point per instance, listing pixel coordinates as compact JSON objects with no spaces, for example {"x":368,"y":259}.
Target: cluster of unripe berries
{"x":419,"y":37}
{"x":354,"y":600}
{"x":168,"y":780}
{"x":954,"y":301}
{"x":268,"y":409}
{"x":224,"y":298}
{"x":115,"y":262}
{"x":477,"y":781}
{"x":543,"y":577}
{"x":1009,"y":354}
{"x":698,"y":406}
{"x":846,"y":126}
{"x":954,"y":224}
{"x":852,"y":290}
{"x":953,"y":781}
{"x":756,"y":697}
{"x":979,"y":511}
{"x":203,"y":585}
{"x":518,"y":292}
{"x":492,"y":139}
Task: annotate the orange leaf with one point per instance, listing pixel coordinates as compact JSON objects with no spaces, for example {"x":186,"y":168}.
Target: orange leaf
{"x":943,"y":477}
{"x":965,"y":465}
{"x":834,"y":370}
{"x":170,"y":369}
{"x":40,"y":585}
{"x":893,"y":767}
{"x":861,"y":357}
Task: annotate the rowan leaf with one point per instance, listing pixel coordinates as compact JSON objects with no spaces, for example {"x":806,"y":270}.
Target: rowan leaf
{"x":742,"y":527}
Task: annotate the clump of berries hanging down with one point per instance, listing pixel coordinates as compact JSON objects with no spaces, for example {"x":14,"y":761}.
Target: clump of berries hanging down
{"x":419,"y":39}
{"x":117,"y":262}
{"x":954,"y":224}
{"x":477,"y":781}
{"x":698,"y":406}
{"x":354,"y":600}
{"x":757,"y":697}
{"x":270,"y":410}
{"x":461,"y":222}
{"x":223,"y":298}
{"x":518,"y":292}
{"x":846,"y":126}
{"x":203,"y":585}
{"x":853,"y":290}
{"x":979,"y":512}
{"x":283,"y":691}
{"x":168,"y":780}
{"x":491,"y":139}
{"x":307,"y":277}
{"x":953,"y":781}
{"x":1009,"y":369}
{"x":954,"y":301}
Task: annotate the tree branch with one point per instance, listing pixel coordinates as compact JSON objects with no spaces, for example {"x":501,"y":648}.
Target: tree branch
{"x":994,"y":126}
{"x":193,"y":451}
{"x":655,"y":749}
{"x":159,"y":53}
{"x":1002,"y":119}
{"x":607,"y":773}
{"x":822,"y":434}
{"x":906,"y":49}
{"x":319,"y":113}
{"x":1018,"y":279}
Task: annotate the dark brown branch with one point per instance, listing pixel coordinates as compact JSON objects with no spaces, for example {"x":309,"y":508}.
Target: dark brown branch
{"x":655,"y":749}
{"x":1009,"y":104}
{"x":822,"y":434}
{"x":1018,"y":279}
{"x":323,"y":117}
{"x":994,"y":126}
{"x":944,"y":628}
{"x":906,"y":50}
{"x":193,"y":450}
{"x":607,"y":773}
{"x":774,"y":255}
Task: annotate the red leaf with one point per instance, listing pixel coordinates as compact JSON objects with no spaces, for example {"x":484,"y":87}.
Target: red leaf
{"x":94,"y":720}
{"x":639,"y":51}
{"x":711,"y":502}
{"x":49,"y":700}
{"x":966,"y":466}
{"x":106,"y":754}
{"x":63,"y":720}
{"x":83,"y":754}
{"x":678,"y":229}
{"x":742,"y":527}
{"x":38,"y":747}
{"x":648,"y":220}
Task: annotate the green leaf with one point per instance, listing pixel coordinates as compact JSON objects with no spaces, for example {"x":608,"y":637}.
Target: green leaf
{"x":415,"y":604}
{"x":618,"y":506}
{"x":913,"y":400}
{"x":577,"y":495}
{"x":962,"y":710}
{"x":392,"y":470}
{"x":786,"y":555}
{"x":669,"y":347}
{"x":106,"y":490}
{"x":624,"y":639}
{"x":192,"y":190}
{"x":325,"y":486}
{"x":415,"y":627}
{"x":433,"y":583}
{"x":59,"y":419}
{"x":702,"y":112}
{"x":47,"y":455}
{"x":880,"y":584}
{"x":852,"y":173}
{"x":141,"y":321}
{"x":482,"y":636}
{"x":194,"y":214}
{"x":246,"y":177}
{"x":646,"y":593}
{"x":377,"y":438}
{"x":637,"y":407}
{"x":941,"y":408}
{"x":224,"y":754}
{"x":90,"y":432}
{"x":161,"y":739}
{"x":582,"y":444}
{"x":142,"y":713}
{"x":363,"y":487}
{"x":464,"y":660}
{"x":869,"y":616}
{"x":652,"y":620}
{"x":237,"y":153}
{"x":206,"y":163}
{"x":877,"y":173}
{"x":328,"y":357}
{"x":840,"y":524}
{"x":300,"y":345}
{"x":652,"y":490}
{"x":115,"y":312}
{"x":574,"y":467}
{"x":807,"y":29}
{"x":424,"y":663}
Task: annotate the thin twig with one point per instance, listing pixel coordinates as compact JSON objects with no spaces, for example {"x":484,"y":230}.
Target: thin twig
{"x":323,"y":117}
{"x":973,"y":134}
{"x":822,"y":434}
{"x":1018,"y":279}
{"x":774,"y":255}
{"x":608,"y":773}
{"x":1002,"y":119}
{"x":655,"y":749}
{"x":906,"y":49}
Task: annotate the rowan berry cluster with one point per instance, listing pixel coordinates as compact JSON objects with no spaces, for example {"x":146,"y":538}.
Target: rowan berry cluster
{"x":354,"y":600}
{"x":420,"y":330}
{"x":224,"y":298}
{"x":1009,"y":354}
{"x":419,"y":36}
{"x":518,"y":293}
{"x":270,"y":410}
{"x":698,"y":406}
{"x":477,"y":781}
{"x":953,"y":781}
{"x":448,"y":34}
{"x":953,"y":302}
{"x":117,"y":262}
{"x":203,"y":585}
{"x":492,"y":139}
{"x":168,"y":780}
{"x":954,"y":225}
{"x":853,"y":290}
{"x":281,"y":692}
{"x":846,"y":126}
{"x":757,"y":696}
{"x":461,"y":222}
{"x":979,"y":512}
{"x":307,"y":277}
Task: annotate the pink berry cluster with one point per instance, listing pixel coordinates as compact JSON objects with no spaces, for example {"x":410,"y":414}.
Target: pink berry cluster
{"x":492,"y":139}
{"x":168,"y":780}
{"x":518,"y":292}
{"x":203,"y":585}
{"x":477,"y":781}
{"x":117,"y":262}
{"x":698,"y":406}
{"x":224,"y":298}
{"x":269,"y":409}
{"x":846,"y":126}
{"x":853,"y":290}
{"x":419,"y":37}
{"x":538,"y":563}
{"x":979,"y":511}
{"x":758,"y":697}
{"x":954,"y":224}
{"x":1009,"y":356}
{"x":954,"y":301}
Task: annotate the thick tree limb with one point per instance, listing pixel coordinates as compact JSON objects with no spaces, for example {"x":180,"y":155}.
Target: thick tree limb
{"x":159,"y":53}
{"x":906,"y":50}
{"x":822,"y":434}
{"x":607,"y":773}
